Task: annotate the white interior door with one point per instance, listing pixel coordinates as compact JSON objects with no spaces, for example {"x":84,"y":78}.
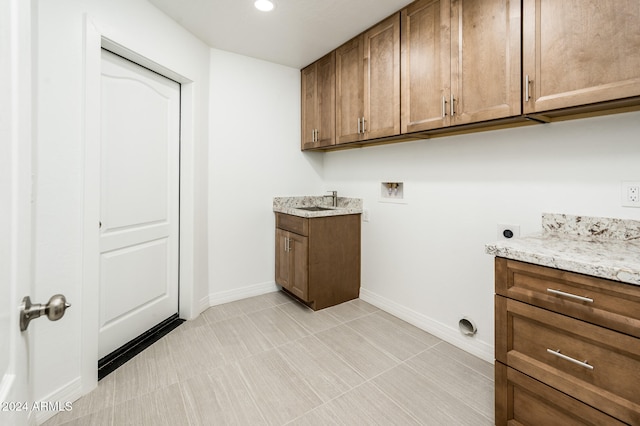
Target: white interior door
{"x":14,"y":283}
{"x":139,"y":200}
{"x":15,"y":207}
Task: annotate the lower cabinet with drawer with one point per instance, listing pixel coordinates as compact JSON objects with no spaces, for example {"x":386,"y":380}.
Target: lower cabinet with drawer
{"x":567,"y":347}
{"x":318,"y":259}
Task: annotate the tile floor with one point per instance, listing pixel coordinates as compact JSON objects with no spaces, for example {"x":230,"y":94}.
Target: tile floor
{"x":270,"y":360}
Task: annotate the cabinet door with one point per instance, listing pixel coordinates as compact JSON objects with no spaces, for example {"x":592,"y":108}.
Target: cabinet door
{"x":485,"y":60}
{"x":425,"y":59}
{"x":382,"y":79}
{"x":282,"y":259}
{"x":349,"y":91}
{"x":577,"y":52}
{"x":298,"y":265}
{"x":326,"y":100}
{"x":318,"y":90}
{"x":309,"y":77}
{"x":292,"y":263}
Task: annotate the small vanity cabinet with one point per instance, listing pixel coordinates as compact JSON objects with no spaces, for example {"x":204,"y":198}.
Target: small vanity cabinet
{"x":567,"y":347}
{"x":318,"y":258}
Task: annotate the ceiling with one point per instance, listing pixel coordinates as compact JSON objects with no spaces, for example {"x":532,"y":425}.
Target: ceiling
{"x":295,"y":33}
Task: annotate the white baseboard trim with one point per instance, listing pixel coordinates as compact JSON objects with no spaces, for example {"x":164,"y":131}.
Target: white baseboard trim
{"x":241,"y":293}
{"x":202,"y":305}
{"x":448,"y":334}
{"x":70,"y":392}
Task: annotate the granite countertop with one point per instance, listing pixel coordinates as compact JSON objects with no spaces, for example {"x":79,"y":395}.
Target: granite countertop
{"x":291,"y":205}
{"x":601,"y":247}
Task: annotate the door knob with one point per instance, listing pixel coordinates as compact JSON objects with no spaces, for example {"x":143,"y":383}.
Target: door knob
{"x":54,"y":310}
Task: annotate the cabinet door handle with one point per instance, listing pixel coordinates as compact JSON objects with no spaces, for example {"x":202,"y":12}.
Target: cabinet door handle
{"x":286,"y":244}
{"x":557,"y":353}
{"x":316,"y":135}
{"x":444,"y":106}
{"x":527,"y":82}
{"x":364,"y":127}
{"x":358,"y":125}
{"x":453,"y":110}
{"x":569,"y":295}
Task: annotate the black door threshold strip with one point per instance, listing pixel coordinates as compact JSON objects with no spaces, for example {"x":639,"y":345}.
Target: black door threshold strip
{"x":109,"y":363}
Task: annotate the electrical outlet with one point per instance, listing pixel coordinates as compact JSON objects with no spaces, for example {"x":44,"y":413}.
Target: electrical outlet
{"x":365,"y":215}
{"x":630,"y":194}
{"x":506,"y":232}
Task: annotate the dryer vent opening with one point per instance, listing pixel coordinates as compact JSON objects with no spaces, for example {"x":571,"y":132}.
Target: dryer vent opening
{"x":467,"y":327}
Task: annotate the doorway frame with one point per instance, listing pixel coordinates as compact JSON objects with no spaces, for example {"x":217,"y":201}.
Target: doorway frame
{"x":95,"y":39}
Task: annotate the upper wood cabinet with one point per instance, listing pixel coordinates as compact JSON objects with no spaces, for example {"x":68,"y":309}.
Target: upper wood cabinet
{"x":578,"y":52}
{"x":382,"y":79}
{"x":460,"y":62}
{"x":485,"y":59}
{"x":426,"y":65}
{"x":450,"y":66}
{"x":318,"y":103}
{"x":368,"y":84}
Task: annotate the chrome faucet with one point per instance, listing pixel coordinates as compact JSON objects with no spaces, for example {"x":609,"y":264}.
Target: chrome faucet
{"x":334,"y":198}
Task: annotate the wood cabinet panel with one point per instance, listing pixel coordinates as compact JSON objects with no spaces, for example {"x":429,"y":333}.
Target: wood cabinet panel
{"x":608,"y":377}
{"x":309,"y":112}
{"x":613,"y":304}
{"x":485,"y":60}
{"x":292,"y":259}
{"x":349,"y":90}
{"x":326,"y":95}
{"x":527,"y":401}
{"x":334,"y":261}
{"x":577,"y":52}
{"x":425,"y":59}
{"x":299,"y":265}
{"x":382,"y":79}
{"x":296,"y":224}
{"x":282,"y":258}
{"x":318,"y":103}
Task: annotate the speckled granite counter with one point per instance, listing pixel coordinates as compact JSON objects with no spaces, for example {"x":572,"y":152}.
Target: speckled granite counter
{"x":291,"y":205}
{"x":601,"y":247}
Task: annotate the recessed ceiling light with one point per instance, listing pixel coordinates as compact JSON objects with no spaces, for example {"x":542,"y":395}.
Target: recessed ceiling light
{"x":263,"y":5}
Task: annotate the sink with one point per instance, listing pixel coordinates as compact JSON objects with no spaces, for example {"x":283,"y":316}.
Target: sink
{"x":314,"y":208}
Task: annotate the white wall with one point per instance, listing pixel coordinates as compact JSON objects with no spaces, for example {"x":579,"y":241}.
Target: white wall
{"x":254,"y":155}
{"x":425,"y":260}
{"x":58,"y":163}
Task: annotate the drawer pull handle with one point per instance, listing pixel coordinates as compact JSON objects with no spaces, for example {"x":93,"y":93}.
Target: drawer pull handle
{"x":572,"y":296}
{"x":568,"y":358}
